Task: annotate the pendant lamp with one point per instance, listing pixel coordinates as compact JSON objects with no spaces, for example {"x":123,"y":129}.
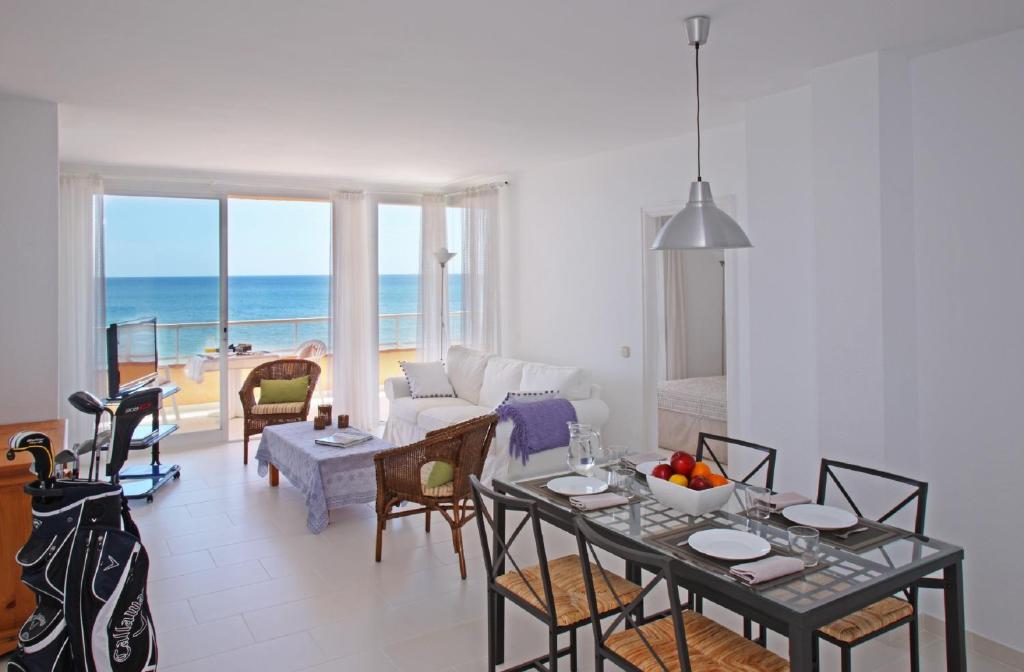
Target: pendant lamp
{"x":701,"y":224}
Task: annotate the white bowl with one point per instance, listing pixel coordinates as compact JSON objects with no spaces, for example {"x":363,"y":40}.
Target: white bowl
{"x":692,"y":502}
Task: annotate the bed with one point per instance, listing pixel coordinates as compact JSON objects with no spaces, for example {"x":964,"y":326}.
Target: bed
{"x":687,"y":407}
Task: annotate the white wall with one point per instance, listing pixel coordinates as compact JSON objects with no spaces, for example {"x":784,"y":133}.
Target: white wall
{"x":968,"y":173}
{"x":574,"y":292}
{"x":28,"y":268}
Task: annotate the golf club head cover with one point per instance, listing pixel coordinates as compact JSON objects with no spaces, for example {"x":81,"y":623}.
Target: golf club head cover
{"x":38,"y":445}
{"x":132,"y":410}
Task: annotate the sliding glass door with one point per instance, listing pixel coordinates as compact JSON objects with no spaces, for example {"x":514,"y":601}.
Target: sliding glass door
{"x":162,"y":259}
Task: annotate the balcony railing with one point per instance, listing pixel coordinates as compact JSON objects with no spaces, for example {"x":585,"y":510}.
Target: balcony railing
{"x":397,"y":331}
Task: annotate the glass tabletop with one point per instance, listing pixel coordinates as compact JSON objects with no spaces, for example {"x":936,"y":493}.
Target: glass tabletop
{"x":840,"y":573}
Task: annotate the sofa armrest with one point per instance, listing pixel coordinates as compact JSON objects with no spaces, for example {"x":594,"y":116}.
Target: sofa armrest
{"x":591,"y":411}
{"x":595,"y":391}
{"x":396,"y":388}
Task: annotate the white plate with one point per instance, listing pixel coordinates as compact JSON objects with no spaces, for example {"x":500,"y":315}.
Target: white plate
{"x":819,"y":517}
{"x":646,"y":468}
{"x":729,"y":544}
{"x":576,"y":485}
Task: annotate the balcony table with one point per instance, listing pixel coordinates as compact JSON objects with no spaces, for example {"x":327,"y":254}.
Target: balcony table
{"x":843,"y":583}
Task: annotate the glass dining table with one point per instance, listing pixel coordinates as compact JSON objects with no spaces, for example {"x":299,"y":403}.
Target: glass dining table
{"x":843,"y":582}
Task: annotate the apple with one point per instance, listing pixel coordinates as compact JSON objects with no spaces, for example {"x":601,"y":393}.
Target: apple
{"x":678,"y":479}
{"x":700,"y":483}
{"x":682,"y":463}
{"x":662,"y":471}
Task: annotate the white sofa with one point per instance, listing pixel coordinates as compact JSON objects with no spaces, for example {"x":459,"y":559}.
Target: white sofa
{"x":481,"y":382}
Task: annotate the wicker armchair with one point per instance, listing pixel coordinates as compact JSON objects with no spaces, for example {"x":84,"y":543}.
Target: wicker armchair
{"x":255,"y":417}
{"x":400,"y":478}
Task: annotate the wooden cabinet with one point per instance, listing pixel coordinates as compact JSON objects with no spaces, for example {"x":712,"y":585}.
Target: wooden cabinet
{"x":16,"y":600}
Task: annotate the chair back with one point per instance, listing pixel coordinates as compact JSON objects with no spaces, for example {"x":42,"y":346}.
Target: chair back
{"x":279,"y":369}
{"x":312,"y":349}
{"x":497,"y":546}
{"x":589,"y":539}
{"x":472,"y":440}
{"x":764,"y":470}
{"x":829,"y":477}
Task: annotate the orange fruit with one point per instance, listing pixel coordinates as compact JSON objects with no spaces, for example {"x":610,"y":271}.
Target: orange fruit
{"x":717,"y":480}
{"x":679,"y":479}
{"x":700,"y":469}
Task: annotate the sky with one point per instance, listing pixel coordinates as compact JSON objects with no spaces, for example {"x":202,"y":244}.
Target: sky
{"x":148,"y":236}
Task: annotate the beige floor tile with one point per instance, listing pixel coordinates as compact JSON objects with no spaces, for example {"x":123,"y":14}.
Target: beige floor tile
{"x":207,"y":581}
{"x":286,"y":654}
{"x":200,"y":641}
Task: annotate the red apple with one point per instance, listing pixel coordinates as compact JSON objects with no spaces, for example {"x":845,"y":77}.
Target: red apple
{"x":700,"y":483}
{"x":662,"y":471}
{"x":682,"y":463}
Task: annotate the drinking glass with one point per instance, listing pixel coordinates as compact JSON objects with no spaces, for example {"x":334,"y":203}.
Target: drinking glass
{"x":757,"y":502}
{"x":621,"y":478}
{"x":804,"y":542}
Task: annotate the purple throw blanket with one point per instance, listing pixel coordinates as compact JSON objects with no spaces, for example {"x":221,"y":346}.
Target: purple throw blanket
{"x":537,"y":425}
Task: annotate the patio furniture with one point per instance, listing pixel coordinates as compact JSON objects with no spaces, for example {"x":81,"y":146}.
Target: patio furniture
{"x":329,"y":477}
{"x":551,"y":591}
{"x":402,"y":477}
{"x":848,"y":577}
{"x":890,"y":612}
{"x":257,"y":416}
{"x":679,"y":641}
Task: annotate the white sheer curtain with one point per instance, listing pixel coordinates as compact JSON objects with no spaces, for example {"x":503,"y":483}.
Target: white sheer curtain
{"x":432,"y":237}
{"x":81,"y":297}
{"x":479,"y":208}
{"x":354,"y":310}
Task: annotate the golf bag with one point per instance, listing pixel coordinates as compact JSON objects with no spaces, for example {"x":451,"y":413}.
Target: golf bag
{"x":88,"y":569}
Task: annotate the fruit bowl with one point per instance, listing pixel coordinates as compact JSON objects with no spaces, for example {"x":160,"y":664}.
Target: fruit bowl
{"x":691,"y":502}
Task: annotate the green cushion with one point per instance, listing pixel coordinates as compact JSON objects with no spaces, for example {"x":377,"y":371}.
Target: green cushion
{"x":284,"y":391}
{"x":440,"y":473}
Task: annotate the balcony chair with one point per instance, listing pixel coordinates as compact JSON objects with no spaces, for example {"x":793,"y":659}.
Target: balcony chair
{"x":256,"y":416}
{"x":402,"y":477}
{"x":551,"y":591}
{"x":682,"y":640}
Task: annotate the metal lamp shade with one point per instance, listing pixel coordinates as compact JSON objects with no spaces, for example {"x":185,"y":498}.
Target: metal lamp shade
{"x":700,"y":225}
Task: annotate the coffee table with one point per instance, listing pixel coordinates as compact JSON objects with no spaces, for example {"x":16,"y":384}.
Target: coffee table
{"x":330,"y":477}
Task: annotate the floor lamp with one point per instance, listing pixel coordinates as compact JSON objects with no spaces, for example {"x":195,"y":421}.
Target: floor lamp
{"x":443,"y":256}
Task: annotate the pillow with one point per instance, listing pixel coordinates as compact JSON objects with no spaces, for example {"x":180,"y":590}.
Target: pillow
{"x":502,"y":376}
{"x":284,"y":391}
{"x":465,"y":368}
{"x":513,"y":397}
{"x":427,"y":379}
{"x":440,"y":473}
{"x":571,"y":381}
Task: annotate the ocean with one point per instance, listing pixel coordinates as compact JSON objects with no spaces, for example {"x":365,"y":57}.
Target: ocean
{"x":183,"y":300}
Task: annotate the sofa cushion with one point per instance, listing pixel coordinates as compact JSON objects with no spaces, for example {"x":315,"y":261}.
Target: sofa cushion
{"x":427,"y":379}
{"x":409,"y":409}
{"x":466,"y":371}
{"x":571,"y":381}
{"x":440,"y":417}
{"x":502,"y":375}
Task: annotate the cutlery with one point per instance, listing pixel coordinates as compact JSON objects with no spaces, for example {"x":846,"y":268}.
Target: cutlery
{"x":846,"y":535}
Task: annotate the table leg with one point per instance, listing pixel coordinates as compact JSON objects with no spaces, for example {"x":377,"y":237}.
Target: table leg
{"x":499,"y":600}
{"x":634,"y":573}
{"x":956,"y":644}
{"x":801,"y":649}
{"x":275,"y":476}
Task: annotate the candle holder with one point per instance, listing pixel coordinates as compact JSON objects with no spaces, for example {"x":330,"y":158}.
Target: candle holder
{"x":318,"y":422}
{"x":342,"y":421}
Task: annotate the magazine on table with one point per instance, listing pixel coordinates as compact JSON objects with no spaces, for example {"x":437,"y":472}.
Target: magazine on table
{"x":345,"y":438}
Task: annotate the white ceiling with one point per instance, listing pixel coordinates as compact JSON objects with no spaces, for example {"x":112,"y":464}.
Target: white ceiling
{"x":426,"y":91}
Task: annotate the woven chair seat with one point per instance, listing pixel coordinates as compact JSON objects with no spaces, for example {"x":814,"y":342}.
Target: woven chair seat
{"x":712,"y":648}
{"x":868,"y":620}
{"x":278,"y":409}
{"x":568,"y":589}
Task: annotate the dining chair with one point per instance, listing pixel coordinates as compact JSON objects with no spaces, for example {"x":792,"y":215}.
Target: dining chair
{"x":403,"y":476}
{"x":892,"y":612}
{"x":682,"y":640}
{"x":761,"y":475}
{"x":551,"y":591}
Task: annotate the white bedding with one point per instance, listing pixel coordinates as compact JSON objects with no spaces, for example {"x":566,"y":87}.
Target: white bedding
{"x":700,"y":397}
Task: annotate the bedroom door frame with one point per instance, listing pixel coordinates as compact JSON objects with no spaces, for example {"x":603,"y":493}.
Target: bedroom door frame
{"x":654,"y":317}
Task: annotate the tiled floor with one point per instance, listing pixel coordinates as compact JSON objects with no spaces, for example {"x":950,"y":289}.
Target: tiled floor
{"x":238,"y":583}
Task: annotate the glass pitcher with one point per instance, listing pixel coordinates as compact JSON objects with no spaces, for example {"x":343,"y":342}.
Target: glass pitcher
{"x":584,"y":448}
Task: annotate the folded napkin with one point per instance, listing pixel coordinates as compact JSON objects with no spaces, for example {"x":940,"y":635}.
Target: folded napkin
{"x":595,"y":502}
{"x":783,"y":499}
{"x":769,"y":568}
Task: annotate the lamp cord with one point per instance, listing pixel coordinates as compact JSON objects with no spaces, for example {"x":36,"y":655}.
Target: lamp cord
{"x":696,"y":60}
